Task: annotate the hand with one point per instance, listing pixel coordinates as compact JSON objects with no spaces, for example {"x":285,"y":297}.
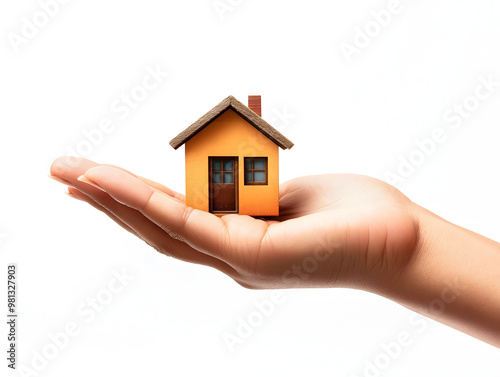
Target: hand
{"x":336,"y":230}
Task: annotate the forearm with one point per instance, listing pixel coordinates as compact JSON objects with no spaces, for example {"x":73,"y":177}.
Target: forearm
{"x":454,"y":278}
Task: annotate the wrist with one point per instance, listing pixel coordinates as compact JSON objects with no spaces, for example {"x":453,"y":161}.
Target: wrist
{"x":383,"y":272}
{"x":452,"y":277}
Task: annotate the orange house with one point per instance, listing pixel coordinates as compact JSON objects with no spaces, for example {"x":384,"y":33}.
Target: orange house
{"x":232,"y":160}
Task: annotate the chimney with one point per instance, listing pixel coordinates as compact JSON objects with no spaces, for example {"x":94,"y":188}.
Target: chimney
{"x":254,"y":104}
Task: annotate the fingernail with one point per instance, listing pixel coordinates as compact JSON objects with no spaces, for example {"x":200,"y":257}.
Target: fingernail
{"x":84,"y":179}
{"x":72,"y":196}
{"x":60,"y":180}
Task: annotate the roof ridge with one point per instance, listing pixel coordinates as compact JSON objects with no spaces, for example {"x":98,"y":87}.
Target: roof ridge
{"x":242,"y":110}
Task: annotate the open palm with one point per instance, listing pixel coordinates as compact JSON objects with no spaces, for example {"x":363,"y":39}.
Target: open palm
{"x":333,"y":230}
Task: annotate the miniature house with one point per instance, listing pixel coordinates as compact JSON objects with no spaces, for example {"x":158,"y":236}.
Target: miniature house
{"x":232,"y":160}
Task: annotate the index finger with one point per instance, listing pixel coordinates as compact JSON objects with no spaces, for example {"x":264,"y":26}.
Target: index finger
{"x":199,"y":229}
{"x":69,"y":168}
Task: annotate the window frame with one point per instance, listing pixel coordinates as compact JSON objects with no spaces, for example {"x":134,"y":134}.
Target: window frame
{"x":266,"y":170}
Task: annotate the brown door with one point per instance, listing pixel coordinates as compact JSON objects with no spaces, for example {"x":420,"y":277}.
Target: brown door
{"x":223,"y":187}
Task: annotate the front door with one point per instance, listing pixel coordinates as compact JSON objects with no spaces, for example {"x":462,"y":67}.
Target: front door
{"x":223,"y":184}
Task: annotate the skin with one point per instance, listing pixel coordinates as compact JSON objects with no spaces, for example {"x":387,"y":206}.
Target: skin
{"x":336,"y":230}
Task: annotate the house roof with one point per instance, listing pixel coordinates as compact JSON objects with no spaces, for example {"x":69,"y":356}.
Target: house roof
{"x":241,"y":110}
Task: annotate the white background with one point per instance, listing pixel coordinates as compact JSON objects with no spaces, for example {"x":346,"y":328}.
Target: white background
{"x":359,"y":116}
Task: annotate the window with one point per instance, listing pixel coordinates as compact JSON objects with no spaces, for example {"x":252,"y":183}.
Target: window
{"x":222,"y":170}
{"x":255,"y":170}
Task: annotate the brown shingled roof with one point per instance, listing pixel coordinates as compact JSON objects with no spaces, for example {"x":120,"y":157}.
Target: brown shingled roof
{"x":241,"y":110}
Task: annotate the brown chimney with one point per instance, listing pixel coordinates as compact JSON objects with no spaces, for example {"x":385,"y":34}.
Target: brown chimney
{"x":254,"y":104}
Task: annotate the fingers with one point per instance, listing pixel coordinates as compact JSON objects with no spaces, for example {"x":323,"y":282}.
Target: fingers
{"x":154,"y":184}
{"x":74,"y":193}
{"x":134,"y":222}
{"x":67,"y":171}
{"x":201,"y":230}
{"x":68,"y":168}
